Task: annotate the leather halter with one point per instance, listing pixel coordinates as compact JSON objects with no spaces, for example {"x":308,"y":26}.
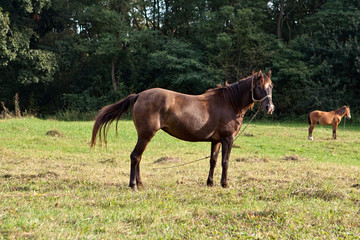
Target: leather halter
{"x":252,"y":93}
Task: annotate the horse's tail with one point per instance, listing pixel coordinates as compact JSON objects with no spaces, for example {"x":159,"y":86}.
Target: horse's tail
{"x":110,"y":113}
{"x":308,"y":119}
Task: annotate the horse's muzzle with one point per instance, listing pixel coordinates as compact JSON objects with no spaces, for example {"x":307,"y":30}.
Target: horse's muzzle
{"x":269,"y":108}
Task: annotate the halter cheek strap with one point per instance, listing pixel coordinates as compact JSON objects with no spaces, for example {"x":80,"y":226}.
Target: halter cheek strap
{"x":252,"y":93}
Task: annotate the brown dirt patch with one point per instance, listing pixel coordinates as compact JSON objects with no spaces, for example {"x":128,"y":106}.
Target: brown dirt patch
{"x":252,"y":159}
{"x":54,"y":133}
{"x":293,"y":158}
{"x":249,"y":135}
{"x":31,"y":176}
{"x":168,"y":159}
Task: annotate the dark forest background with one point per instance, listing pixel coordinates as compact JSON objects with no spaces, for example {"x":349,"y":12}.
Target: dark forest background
{"x":80,"y":55}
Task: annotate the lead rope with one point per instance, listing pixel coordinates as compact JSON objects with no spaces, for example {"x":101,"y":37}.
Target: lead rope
{"x":219,"y":151}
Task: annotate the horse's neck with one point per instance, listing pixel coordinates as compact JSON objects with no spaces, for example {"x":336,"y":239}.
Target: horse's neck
{"x":341,"y":111}
{"x":243,"y":88}
{"x":247,"y":90}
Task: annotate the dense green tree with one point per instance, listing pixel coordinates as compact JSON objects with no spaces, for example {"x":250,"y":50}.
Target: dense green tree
{"x":6,"y":51}
{"x":24,"y":66}
{"x":320,"y":69}
{"x":177,"y":66}
{"x":83,"y":54}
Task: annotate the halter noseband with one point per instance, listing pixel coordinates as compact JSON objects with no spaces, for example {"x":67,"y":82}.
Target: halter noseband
{"x":252,"y":93}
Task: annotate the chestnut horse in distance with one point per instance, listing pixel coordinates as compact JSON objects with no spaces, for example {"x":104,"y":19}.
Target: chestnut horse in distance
{"x":327,"y":118}
{"x":215,"y":116}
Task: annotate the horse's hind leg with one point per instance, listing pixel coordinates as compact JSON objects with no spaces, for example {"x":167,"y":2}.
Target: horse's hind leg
{"x":311,"y":128}
{"x":215,"y":147}
{"x":135,"y":179}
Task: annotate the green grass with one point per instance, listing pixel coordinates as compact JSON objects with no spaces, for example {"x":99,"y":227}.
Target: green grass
{"x":281,"y":185}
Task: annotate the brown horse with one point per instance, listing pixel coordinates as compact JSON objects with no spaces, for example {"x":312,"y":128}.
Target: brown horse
{"x":215,"y":116}
{"x":327,"y":118}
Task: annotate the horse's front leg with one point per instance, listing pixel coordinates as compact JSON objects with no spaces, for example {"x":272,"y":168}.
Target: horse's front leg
{"x":227,"y":144}
{"x":334,"y":130}
{"x":215,"y":147}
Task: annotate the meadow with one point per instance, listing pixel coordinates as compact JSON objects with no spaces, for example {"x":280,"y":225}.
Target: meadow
{"x":281,"y":185}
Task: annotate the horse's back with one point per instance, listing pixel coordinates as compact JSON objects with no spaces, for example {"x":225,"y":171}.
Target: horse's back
{"x":154,"y":106}
{"x":153,"y":99}
{"x":324,"y":118}
{"x":158,"y":100}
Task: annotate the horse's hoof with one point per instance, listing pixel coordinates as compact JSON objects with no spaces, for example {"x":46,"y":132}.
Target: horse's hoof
{"x":311,"y":138}
{"x":209,"y":183}
{"x":224,"y":185}
{"x":133,"y":187}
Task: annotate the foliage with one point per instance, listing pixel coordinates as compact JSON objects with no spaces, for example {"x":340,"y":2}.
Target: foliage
{"x":23,"y":64}
{"x":5,"y":42}
{"x":178,"y":67}
{"x":82,"y":54}
{"x":319,"y":68}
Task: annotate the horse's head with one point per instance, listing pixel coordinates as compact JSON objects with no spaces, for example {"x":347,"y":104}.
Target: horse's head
{"x":347,"y":110}
{"x":261,"y":91}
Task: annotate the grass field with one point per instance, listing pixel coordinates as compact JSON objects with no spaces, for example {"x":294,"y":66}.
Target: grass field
{"x":281,"y":186}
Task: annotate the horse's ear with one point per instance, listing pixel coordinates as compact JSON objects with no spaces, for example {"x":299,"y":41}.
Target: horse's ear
{"x":260,"y":76}
{"x":269,"y":73}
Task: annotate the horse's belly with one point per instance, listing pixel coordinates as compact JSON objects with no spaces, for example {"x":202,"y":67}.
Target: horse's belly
{"x":201,"y":129}
{"x":185,"y":134}
{"x":190,"y":130}
{"x":324,"y":121}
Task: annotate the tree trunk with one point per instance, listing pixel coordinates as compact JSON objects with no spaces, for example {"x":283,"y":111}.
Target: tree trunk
{"x":166,"y":17}
{"x":158,"y":14}
{"x":113,"y":74}
{"x":279,"y":23}
{"x":288,"y":25}
{"x":154,"y":15}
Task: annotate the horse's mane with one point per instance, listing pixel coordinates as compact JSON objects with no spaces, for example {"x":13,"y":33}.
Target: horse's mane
{"x":341,"y":111}
{"x":220,"y":86}
{"x":232,"y":93}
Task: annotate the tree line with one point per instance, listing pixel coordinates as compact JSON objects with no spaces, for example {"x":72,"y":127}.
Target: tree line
{"x":83,"y":54}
